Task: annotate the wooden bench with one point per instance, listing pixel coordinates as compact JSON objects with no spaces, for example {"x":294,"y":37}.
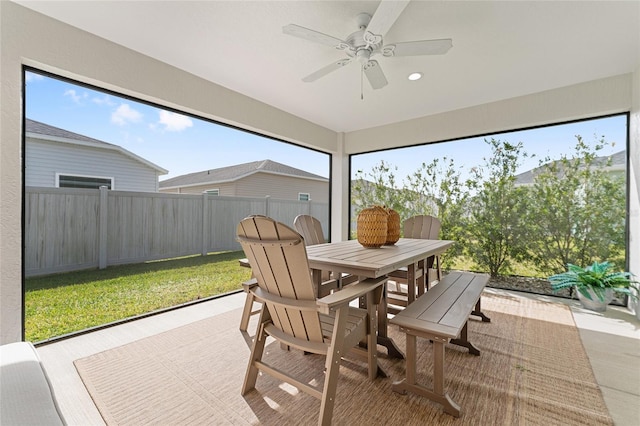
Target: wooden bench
{"x":440,"y":315}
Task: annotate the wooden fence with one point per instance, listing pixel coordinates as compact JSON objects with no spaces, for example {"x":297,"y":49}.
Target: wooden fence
{"x":69,"y":229}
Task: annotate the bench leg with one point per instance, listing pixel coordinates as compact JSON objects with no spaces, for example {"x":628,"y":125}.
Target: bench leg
{"x":409,"y":383}
{"x":464,"y":341}
{"x":477,"y":311}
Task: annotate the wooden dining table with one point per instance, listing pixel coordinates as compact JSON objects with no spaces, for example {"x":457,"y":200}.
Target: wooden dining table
{"x":350,"y":257}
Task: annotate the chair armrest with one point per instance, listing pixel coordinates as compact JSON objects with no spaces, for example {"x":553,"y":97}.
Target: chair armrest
{"x":249,"y":284}
{"x":305,"y":305}
{"x":349,"y":293}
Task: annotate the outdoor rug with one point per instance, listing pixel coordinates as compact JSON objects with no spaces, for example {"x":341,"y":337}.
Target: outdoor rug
{"x":532,"y":370}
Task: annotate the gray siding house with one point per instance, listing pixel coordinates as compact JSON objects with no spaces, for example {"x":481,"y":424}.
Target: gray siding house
{"x":58,"y":158}
{"x":254,"y":179}
{"x":617,"y":167}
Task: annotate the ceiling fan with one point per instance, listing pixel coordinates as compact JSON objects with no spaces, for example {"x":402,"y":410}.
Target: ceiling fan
{"x":367,"y":42}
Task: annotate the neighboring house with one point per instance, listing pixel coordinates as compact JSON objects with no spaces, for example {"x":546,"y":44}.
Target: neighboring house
{"x":58,"y":158}
{"x":617,"y":167}
{"x":255,"y":179}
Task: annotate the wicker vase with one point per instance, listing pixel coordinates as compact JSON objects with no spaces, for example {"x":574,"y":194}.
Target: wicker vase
{"x":393,"y":227}
{"x":372,"y":227}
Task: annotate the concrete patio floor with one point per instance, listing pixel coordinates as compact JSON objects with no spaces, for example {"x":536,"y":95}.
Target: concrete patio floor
{"x":611,"y":340}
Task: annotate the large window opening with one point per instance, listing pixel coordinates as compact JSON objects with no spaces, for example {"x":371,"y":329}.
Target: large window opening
{"x":520,"y":205}
{"x":132,"y":208}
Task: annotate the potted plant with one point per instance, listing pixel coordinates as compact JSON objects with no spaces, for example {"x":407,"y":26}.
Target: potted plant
{"x":594,"y":284}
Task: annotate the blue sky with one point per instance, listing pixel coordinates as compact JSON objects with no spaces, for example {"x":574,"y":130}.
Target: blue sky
{"x":183,"y":144}
{"x":177,"y":143}
{"x":549,"y":141}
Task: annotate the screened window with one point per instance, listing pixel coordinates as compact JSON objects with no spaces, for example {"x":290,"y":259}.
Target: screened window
{"x":304,"y":196}
{"x":212,"y":191}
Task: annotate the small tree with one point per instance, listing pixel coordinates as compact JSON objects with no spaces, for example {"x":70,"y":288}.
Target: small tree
{"x":577,"y":214}
{"x":495,"y":228}
{"x":378,"y":187}
{"x":437,"y":189}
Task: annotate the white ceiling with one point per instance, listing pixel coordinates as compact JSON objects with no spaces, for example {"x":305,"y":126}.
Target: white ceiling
{"x":501,"y":49}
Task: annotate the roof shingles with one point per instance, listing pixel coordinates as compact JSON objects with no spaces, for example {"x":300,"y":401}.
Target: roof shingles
{"x":235,"y":172}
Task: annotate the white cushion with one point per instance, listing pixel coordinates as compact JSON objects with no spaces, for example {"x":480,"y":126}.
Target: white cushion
{"x":26,"y":395}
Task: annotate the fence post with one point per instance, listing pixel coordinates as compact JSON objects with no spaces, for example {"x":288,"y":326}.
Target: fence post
{"x":205,"y":223}
{"x":266,"y":205}
{"x":102,"y":233}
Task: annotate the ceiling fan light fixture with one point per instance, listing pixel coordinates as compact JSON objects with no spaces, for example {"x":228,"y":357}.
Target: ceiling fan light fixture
{"x":415,"y":76}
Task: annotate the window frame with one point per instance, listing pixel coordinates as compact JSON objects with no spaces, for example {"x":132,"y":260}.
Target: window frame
{"x":110,"y":185}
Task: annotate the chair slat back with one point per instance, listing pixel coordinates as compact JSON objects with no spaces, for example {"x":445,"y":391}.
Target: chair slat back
{"x":310,"y":228}
{"x":278,"y":260}
{"x":422,"y":226}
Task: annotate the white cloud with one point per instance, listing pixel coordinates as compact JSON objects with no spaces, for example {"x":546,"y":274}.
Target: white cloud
{"x":125,"y":114}
{"x":29,"y":77}
{"x":76,"y":97}
{"x":173,"y":122}
{"x":104,"y":100}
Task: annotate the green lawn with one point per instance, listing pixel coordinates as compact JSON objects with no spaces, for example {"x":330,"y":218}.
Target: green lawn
{"x":64,"y":303}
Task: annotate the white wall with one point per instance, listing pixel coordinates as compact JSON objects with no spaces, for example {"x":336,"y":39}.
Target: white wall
{"x":29,"y":38}
{"x":590,"y":99}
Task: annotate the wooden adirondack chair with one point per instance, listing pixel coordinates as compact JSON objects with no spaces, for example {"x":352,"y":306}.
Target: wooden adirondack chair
{"x":420,"y":226}
{"x":311,"y":230}
{"x":292,"y":315}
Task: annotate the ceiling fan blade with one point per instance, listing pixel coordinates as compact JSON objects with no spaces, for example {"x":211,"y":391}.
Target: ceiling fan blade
{"x":311,"y":35}
{"x":375,"y":75}
{"x":386,"y":14}
{"x":416,"y":48}
{"x":326,"y":70}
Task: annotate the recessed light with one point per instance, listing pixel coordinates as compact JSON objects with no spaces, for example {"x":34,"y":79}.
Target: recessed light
{"x":415,"y":76}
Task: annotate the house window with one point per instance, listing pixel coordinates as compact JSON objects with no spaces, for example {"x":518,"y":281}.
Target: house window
{"x":86,"y":182}
{"x":304,"y":196}
{"x":212,"y":191}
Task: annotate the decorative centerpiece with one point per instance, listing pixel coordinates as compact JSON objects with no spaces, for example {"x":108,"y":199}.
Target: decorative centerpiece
{"x":595,"y":284}
{"x":372,"y":227}
{"x":393,"y":227}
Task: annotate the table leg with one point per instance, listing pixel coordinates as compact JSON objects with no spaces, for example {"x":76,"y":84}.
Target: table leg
{"x":316,"y":277}
{"x":392,"y":349}
{"x":411,"y":283}
{"x":423,"y":279}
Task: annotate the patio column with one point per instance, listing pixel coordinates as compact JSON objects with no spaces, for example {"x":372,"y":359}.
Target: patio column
{"x":340,"y":181}
{"x":634,"y":185}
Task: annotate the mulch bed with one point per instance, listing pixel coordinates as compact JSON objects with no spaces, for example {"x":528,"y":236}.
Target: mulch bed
{"x":533,"y":285}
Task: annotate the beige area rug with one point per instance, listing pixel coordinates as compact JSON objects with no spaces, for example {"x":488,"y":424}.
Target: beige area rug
{"x":532,"y":370}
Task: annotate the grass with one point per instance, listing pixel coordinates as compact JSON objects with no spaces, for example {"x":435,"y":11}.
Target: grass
{"x":56,"y":305}
{"x":65,"y":303}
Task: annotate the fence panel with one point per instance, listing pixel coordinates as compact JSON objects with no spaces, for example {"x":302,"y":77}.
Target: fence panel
{"x":63,"y":229}
{"x":152,"y":226}
{"x":60,"y":229}
{"x":224,"y":213}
